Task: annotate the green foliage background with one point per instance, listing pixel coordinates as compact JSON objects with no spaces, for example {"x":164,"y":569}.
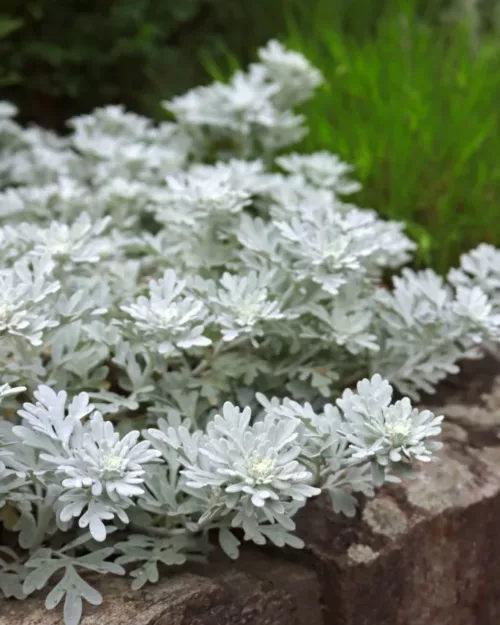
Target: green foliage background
{"x":62,"y":58}
{"x":412,"y":100}
{"x":414,"y":105}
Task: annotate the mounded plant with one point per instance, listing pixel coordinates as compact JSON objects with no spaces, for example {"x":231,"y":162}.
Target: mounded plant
{"x":198,"y":333}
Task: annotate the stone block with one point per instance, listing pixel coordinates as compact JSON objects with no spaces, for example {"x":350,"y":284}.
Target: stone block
{"x":426,"y":552}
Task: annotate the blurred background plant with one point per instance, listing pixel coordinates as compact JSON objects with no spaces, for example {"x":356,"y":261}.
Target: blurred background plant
{"x":411,"y":99}
{"x":411,"y":96}
{"x":63,"y":58}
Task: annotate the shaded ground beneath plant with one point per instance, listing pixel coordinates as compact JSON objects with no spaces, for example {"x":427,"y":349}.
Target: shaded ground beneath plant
{"x":475,"y":379}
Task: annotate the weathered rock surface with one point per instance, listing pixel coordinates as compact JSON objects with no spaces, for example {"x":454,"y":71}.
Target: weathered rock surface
{"x":257,"y":590}
{"x":423,"y":553}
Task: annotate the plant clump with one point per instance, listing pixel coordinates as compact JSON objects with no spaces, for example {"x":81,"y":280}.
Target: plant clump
{"x":196,"y":336}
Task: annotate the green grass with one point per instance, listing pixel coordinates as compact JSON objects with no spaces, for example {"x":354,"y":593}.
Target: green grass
{"x":416,"y":110}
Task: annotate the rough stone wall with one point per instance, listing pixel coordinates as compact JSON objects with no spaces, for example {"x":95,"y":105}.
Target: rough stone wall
{"x":423,"y":553}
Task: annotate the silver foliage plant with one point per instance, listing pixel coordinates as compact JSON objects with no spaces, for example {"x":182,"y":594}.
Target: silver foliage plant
{"x":185,"y":311}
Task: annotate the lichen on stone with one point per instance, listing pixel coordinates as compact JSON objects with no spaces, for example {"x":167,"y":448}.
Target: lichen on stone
{"x":385,"y":517}
{"x":453,"y":431}
{"x":492,"y":399}
{"x":448,"y":484}
{"x":361,"y":554}
{"x":473,"y":416}
{"x":479,"y":416}
{"x":490,"y":457}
